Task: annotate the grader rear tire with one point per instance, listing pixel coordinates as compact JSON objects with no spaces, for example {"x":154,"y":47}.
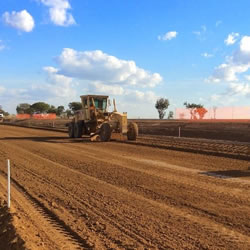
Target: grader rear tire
{"x":78,"y":130}
{"x":71,"y":130}
{"x":132,"y":131}
{"x":105,"y":132}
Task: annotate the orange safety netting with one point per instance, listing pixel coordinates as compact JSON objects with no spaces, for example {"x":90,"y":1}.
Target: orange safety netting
{"x":23,"y":116}
{"x":213,"y":113}
{"x":36,"y":116}
{"x":44,"y":116}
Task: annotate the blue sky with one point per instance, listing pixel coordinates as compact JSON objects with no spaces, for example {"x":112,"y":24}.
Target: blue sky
{"x":135,"y":51}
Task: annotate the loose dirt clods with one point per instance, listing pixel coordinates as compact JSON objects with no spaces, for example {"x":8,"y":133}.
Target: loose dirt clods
{"x":121,"y":196}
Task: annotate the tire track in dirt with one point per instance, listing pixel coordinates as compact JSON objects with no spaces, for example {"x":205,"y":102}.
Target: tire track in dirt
{"x":58,"y":234}
{"x":130,"y":233}
{"x":131,"y":194}
{"x":219,"y":229}
{"x":231,"y":149}
{"x":198,"y":187}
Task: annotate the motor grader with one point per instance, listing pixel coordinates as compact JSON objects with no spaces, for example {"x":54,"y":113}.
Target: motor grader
{"x":95,"y":121}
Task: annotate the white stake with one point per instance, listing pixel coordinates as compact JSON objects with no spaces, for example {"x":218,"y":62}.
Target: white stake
{"x":179,"y":131}
{"x":8,"y":164}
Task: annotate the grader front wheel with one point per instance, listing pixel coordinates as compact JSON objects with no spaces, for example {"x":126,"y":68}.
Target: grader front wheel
{"x":132,"y":131}
{"x":105,"y":132}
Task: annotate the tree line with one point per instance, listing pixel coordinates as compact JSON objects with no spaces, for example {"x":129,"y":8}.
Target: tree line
{"x":45,"y":108}
{"x":3,"y":112}
{"x":197,"y":111}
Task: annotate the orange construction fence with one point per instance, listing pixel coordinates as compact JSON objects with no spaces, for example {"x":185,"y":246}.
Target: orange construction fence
{"x":50,"y":116}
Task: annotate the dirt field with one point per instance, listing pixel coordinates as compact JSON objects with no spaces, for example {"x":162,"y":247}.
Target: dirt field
{"x":234,"y":130}
{"x":74,"y":194}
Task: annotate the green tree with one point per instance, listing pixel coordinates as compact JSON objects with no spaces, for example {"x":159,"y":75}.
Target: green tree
{"x":3,"y":112}
{"x":59,"y":110}
{"x":69,"y":113}
{"x":170,"y":115}
{"x":74,"y":106}
{"x":161,"y":105}
{"x":40,"y":107}
{"x":52,"y":109}
{"x":23,"y":108}
{"x":195,"y":109}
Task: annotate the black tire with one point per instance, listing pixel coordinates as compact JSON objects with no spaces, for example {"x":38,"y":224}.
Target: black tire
{"x":105,"y":132}
{"x":71,"y":129}
{"x":78,"y":129}
{"x":132,"y":131}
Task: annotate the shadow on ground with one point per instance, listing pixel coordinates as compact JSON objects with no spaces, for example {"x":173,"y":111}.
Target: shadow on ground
{"x":226,"y":174}
{"x":8,"y":236}
{"x":51,"y":139}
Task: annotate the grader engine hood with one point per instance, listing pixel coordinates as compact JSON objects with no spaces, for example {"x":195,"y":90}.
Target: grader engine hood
{"x":119,"y":122}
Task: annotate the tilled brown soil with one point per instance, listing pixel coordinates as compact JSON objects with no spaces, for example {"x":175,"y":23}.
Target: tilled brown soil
{"x":230,"y":130}
{"x":121,"y":196}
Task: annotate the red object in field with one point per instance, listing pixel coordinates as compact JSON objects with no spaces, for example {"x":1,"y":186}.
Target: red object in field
{"x":44,"y":116}
{"x":213,"y":113}
{"x":23,"y":116}
{"x":37,"y":116}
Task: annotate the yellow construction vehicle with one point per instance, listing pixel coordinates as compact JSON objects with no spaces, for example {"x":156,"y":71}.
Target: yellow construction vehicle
{"x":95,"y":120}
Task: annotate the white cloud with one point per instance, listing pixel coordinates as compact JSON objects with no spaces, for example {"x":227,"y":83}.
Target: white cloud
{"x":245,"y":44}
{"x":2,"y":90}
{"x":207,"y":55}
{"x":58,"y":85}
{"x":2,"y":46}
{"x":58,"y":11}
{"x":100,"y":87}
{"x":218,"y":23}
{"x":168,"y":36}
{"x":148,"y":96}
{"x":228,"y":72}
{"x":200,"y":32}
{"x":98,"y":66}
{"x":235,"y":65}
{"x":232,"y":38}
{"x":241,"y":89}
{"x":247,"y":77}
{"x":22,"y":20}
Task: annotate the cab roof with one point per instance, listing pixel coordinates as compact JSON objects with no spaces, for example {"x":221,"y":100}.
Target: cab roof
{"x":95,"y":96}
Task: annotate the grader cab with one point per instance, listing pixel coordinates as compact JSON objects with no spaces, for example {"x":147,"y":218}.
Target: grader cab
{"x":95,"y":120}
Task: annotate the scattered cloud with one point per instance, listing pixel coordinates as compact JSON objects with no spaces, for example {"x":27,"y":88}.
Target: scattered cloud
{"x":218,"y":23}
{"x":228,"y":72}
{"x":90,"y":72}
{"x":2,"y":90}
{"x":2,"y":46}
{"x":232,"y":38}
{"x":231,"y":72}
{"x":207,"y":55}
{"x":98,"y":66}
{"x":201,"y":32}
{"x":247,"y":77}
{"x":235,"y":65}
{"x":58,"y":85}
{"x":58,"y":11}
{"x":21,"y":21}
{"x":241,"y":89}
{"x":99,"y":87}
{"x":168,"y":36}
{"x":130,"y":94}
